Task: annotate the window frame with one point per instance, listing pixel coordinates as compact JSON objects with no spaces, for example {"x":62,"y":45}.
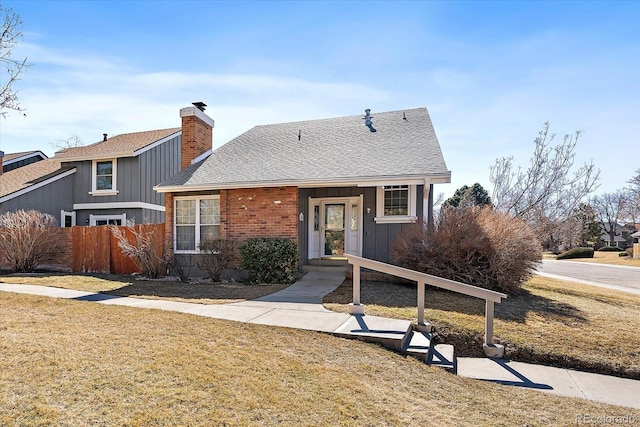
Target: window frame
{"x":411,"y":216}
{"x":95,"y":218}
{"x":64,"y":215}
{"x":196,"y":200}
{"x":94,"y":178}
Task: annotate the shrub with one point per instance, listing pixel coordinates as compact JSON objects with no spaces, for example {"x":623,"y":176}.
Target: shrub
{"x":270,"y":260}
{"x":215,"y":256}
{"x":27,"y":238}
{"x":477,"y":246}
{"x":576,"y":253}
{"x":623,"y":254}
{"x":610,"y":249}
{"x":144,"y":245}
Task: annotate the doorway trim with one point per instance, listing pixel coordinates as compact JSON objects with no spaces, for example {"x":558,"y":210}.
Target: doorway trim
{"x":314,"y":229}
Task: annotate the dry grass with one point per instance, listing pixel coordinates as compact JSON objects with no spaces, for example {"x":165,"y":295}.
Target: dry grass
{"x":124,"y":286}
{"x":609,"y":258}
{"x":75,"y":363}
{"x":553,"y":322}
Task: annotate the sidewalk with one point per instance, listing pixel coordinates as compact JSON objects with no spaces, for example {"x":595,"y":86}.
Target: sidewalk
{"x":300,"y":306}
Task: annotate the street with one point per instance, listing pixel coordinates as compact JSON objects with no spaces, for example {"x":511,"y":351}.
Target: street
{"x":607,"y":276}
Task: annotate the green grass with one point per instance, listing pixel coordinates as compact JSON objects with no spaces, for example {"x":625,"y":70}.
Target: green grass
{"x":68,"y":363}
{"x":552,"y":322}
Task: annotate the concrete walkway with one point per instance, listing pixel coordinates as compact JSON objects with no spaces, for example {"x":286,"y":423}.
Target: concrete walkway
{"x":300,"y":306}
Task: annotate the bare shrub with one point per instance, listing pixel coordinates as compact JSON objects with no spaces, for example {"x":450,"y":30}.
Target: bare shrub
{"x":477,"y":246}
{"x":27,"y":238}
{"x":215,"y":256}
{"x":144,"y":245}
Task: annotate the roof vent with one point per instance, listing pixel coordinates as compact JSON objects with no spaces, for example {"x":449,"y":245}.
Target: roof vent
{"x":367,"y":120}
{"x":104,"y":137}
{"x":199,"y":105}
{"x":367,"y":117}
{"x":299,"y":134}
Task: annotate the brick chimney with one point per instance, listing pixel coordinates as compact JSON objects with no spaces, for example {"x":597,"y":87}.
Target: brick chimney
{"x":197,"y":133}
{"x":1,"y":158}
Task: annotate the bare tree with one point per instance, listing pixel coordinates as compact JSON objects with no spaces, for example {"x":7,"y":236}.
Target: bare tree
{"x":27,"y":238}
{"x":10,"y":35}
{"x":547,"y":192}
{"x":610,"y":209}
{"x":632,"y":209}
{"x":72,"y":142}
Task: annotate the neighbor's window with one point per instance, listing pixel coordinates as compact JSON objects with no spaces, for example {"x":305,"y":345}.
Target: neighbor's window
{"x":196,"y":220}
{"x":396,"y":203}
{"x":104,"y":177}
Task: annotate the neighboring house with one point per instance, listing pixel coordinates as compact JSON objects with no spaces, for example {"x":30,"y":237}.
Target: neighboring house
{"x":12,"y":161}
{"x":109,"y":182}
{"x":623,"y":236}
{"x":635,"y":236}
{"x":335,"y":186}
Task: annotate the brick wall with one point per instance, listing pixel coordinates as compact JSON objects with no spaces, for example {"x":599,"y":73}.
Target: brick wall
{"x":259,"y":212}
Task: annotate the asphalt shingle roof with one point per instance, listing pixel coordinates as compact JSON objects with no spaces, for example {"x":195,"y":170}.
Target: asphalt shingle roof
{"x":404,"y":144}
{"x":28,"y":175}
{"x":118,"y":145}
{"x":11,"y":156}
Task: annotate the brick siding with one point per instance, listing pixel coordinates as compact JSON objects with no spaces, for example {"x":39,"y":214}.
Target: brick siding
{"x":259,"y":212}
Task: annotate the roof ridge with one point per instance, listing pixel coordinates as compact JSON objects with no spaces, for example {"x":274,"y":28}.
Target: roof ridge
{"x":341,"y":117}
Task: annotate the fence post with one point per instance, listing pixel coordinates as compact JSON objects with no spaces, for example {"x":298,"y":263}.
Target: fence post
{"x":355,"y":307}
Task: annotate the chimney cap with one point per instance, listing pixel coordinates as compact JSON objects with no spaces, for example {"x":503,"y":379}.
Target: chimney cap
{"x":199,"y":105}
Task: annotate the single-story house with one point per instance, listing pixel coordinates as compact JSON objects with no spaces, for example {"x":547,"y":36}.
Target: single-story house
{"x":335,"y":186}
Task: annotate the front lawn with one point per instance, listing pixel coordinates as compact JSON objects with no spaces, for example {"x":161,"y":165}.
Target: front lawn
{"x":77,"y":363}
{"x":129,"y":286}
{"x":552,"y":322}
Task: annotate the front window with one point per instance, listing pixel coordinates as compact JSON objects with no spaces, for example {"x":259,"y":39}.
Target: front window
{"x":396,"y":204}
{"x":396,"y":200}
{"x":196,"y":220}
{"x":104,"y":177}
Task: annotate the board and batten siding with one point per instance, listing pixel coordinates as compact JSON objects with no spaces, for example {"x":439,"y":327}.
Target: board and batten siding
{"x":377,"y":239}
{"x":51,"y":198}
{"x":135,"y":179}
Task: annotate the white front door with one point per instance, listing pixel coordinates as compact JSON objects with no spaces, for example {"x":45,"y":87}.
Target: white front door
{"x":335,"y":227}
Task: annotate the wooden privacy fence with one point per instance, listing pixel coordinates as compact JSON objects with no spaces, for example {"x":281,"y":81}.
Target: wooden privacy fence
{"x":96,"y":250}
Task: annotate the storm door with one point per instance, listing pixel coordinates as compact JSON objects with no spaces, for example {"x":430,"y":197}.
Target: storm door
{"x":333,"y":228}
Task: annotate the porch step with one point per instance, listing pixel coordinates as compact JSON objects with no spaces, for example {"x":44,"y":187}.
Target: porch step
{"x":421,"y":346}
{"x":340,"y":265}
{"x":390,"y":333}
{"x":401,"y":336}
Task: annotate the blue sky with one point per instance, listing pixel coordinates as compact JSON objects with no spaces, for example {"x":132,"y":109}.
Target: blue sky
{"x":490,"y":73}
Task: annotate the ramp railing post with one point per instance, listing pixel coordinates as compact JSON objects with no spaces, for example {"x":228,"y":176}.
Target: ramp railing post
{"x":420,"y":303}
{"x":356,"y":307}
